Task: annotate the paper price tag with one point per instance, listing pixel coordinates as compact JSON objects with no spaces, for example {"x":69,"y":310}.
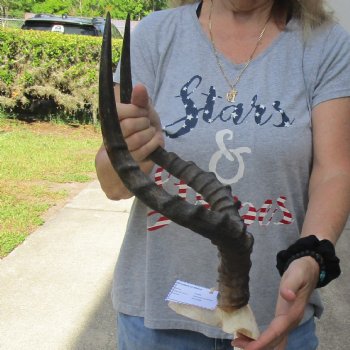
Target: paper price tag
{"x":191,"y":294}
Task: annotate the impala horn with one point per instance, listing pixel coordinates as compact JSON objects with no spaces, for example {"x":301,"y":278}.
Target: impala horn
{"x":221,"y":223}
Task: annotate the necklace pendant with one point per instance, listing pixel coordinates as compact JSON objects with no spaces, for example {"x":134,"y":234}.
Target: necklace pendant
{"x":231,"y":95}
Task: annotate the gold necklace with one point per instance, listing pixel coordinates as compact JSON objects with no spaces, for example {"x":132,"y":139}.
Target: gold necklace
{"x":231,"y":95}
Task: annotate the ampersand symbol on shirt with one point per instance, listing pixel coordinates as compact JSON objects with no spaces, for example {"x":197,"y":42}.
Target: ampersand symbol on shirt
{"x":231,"y":155}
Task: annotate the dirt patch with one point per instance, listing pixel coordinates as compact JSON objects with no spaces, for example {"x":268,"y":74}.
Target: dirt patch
{"x":53,"y":129}
{"x":71,"y":129}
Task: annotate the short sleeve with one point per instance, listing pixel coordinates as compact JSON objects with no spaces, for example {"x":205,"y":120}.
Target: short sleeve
{"x":333,"y":75}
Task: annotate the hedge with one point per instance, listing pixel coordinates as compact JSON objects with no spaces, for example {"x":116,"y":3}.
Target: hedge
{"x":45,"y":73}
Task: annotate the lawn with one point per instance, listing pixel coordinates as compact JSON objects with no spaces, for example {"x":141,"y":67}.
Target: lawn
{"x":38,"y":163}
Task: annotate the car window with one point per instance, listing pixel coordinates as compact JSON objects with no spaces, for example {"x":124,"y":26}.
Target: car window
{"x":55,"y":25}
{"x":81,"y":30}
{"x":37,"y":26}
{"x":66,"y":28}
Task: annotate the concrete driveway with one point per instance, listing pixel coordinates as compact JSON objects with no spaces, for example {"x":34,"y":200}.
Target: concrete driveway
{"x":55,"y":288}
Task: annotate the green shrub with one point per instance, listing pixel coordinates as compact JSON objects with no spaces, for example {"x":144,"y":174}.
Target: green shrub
{"x":46,"y":73}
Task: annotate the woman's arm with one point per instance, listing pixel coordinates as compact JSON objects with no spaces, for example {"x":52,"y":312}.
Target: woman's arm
{"x":142,"y":132}
{"x":329,"y":190}
{"x":327,"y":212}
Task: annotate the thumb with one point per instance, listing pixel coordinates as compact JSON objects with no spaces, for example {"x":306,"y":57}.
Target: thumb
{"x":287,"y":293}
{"x":139,"y":96}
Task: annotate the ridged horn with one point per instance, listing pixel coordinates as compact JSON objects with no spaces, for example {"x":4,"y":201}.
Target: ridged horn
{"x":221,"y":224}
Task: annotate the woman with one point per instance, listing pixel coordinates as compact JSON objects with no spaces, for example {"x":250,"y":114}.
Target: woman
{"x":256,"y":91}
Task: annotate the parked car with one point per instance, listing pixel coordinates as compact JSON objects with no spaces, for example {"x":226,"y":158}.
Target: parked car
{"x":69,"y":25}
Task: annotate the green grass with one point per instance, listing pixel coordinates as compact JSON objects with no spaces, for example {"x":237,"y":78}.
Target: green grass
{"x":34,"y":160}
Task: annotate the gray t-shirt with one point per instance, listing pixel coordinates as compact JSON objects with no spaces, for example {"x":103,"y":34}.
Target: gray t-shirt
{"x":261,"y":145}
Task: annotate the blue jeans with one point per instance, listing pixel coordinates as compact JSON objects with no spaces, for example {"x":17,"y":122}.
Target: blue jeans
{"x":133,"y":335}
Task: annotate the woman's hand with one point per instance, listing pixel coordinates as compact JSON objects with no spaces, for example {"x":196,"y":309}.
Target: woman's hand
{"x":297,"y":284}
{"x":142,"y":132}
{"x":140,"y":125}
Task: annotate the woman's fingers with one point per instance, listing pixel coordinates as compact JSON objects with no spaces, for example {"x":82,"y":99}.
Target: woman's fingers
{"x":134,"y":125}
{"x":140,"y":154}
{"x":139,"y":96}
{"x":131,"y":111}
{"x":140,"y":124}
{"x":140,"y":139}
